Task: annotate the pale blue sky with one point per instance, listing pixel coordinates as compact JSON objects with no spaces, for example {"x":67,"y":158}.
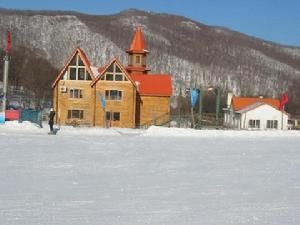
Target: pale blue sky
{"x":273,"y":20}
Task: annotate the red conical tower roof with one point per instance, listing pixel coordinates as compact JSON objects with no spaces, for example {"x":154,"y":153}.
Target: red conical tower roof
{"x":138,"y":42}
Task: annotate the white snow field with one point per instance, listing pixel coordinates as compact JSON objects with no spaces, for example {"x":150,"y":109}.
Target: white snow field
{"x":159,"y":176}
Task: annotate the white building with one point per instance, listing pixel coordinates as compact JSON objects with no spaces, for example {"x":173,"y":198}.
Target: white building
{"x":254,"y":113}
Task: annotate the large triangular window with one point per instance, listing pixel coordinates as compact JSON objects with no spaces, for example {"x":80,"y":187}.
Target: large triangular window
{"x":114,"y":73}
{"x":77,"y":70}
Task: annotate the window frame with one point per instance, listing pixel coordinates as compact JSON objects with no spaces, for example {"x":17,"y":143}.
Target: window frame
{"x":114,"y":95}
{"x":112,"y":75}
{"x":272,"y":124}
{"x":72,"y":112}
{"x":113,"y":116}
{"x":73,"y":91}
{"x":116,"y":116}
{"x":75,"y":65}
{"x":254,"y":124}
{"x":138,"y":59}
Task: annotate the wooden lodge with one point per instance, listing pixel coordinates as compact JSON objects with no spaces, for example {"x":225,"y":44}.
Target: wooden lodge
{"x":114,"y":95}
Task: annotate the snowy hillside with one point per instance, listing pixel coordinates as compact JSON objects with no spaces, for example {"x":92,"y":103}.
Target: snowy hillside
{"x":193,"y":53}
{"x":144,"y":177}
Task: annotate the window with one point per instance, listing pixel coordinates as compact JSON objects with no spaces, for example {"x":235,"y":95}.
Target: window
{"x":75,"y":93}
{"x":115,"y":116}
{"x":113,"y":95}
{"x":272,"y":124}
{"x":110,"y":68}
{"x":75,"y":114}
{"x":119,"y":77}
{"x":72,"y":73}
{"x":118,"y":70}
{"x":74,"y":61}
{"x":109,"y":76}
{"x":130,"y":60}
{"x":114,"y":73}
{"x":254,"y":123}
{"x":81,"y":74}
{"x":138,"y":59}
{"x":77,"y":69}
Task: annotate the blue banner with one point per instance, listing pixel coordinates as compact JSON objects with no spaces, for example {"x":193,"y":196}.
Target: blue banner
{"x":102,"y":100}
{"x":2,"y":117}
{"x":194,"y":97}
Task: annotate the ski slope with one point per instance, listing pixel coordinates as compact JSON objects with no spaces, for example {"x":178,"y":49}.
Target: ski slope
{"x":159,"y":176}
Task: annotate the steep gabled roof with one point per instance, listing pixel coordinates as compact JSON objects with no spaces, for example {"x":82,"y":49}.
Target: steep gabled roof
{"x":239,"y":103}
{"x":251,"y":106}
{"x":85,"y":61}
{"x":138,"y":42}
{"x":256,"y":105}
{"x":102,"y":70}
{"x":153,"y":84}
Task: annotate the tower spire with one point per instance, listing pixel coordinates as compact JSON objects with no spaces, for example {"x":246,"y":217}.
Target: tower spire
{"x":138,"y":42}
{"x":137,"y":53}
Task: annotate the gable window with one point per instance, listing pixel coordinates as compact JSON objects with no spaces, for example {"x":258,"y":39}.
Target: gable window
{"x":77,"y":69}
{"x":113,"y":95}
{"x":119,"y":77}
{"x":114,"y":73}
{"x":81,"y":73}
{"x":76,"y":93}
{"x":254,"y":123}
{"x":80,"y":62}
{"x":272,"y":124}
{"x":75,"y":114}
{"x":72,"y":73}
{"x":109,"y":76}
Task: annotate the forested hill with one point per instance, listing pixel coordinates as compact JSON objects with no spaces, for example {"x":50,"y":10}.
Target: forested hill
{"x":194,"y":53}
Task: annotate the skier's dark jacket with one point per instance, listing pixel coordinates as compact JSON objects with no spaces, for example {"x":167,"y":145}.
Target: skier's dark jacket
{"x":51,"y":117}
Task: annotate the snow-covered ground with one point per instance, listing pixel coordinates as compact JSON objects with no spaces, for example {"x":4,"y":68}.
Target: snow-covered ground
{"x":148,"y":177}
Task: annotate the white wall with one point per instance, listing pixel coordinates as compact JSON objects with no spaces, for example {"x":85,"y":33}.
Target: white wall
{"x":263,"y":113}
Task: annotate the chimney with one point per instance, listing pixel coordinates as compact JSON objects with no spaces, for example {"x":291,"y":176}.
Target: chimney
{"x":229,"y":98}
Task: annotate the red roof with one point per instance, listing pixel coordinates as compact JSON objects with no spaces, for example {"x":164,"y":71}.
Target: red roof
{"x":239,"y":103}
{"x":138,"y":42}
{"x":153,"y":84}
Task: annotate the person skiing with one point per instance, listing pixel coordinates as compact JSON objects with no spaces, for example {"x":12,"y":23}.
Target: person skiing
{"x":51,"y":119}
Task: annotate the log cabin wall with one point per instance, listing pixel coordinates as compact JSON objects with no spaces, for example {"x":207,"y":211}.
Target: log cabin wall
{"x":125,"y":106}
{"x":154,"y":110}
{"x":75,"y":101}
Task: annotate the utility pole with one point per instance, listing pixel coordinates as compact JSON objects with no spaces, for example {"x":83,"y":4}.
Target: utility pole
{"x":217,"y":105}
{"x":200,"y":106}
{"x":5,"y":78}
{"x":217,"y":92}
